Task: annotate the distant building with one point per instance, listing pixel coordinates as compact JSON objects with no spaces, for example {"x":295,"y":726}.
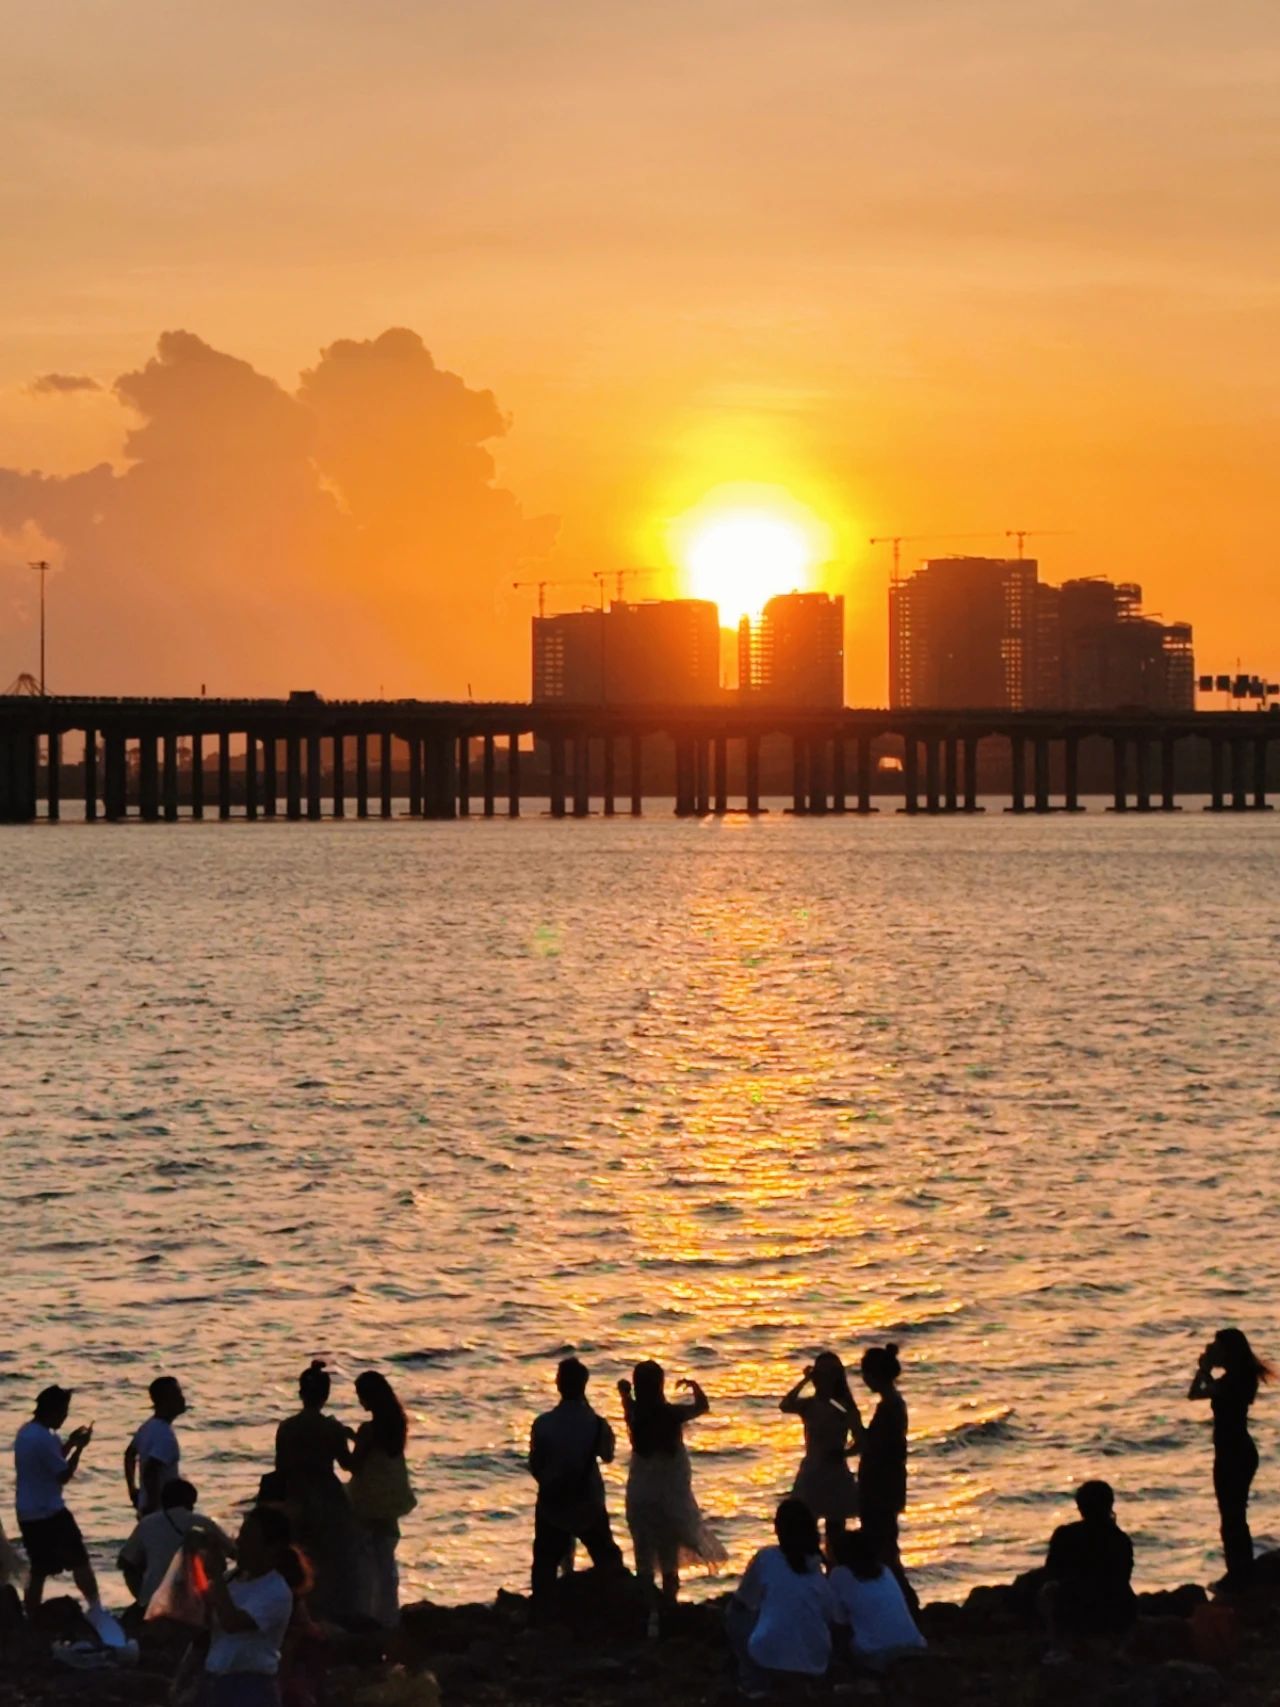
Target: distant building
{"x":794,"y":655}
{"x":659,"y":652}
{"x":963,"y":633}
{"x":1108,"y":654}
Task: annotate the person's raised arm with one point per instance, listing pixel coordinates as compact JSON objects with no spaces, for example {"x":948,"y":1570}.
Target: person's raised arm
{"x":791,"y":1401}
{"x":1203,"y":1383}
{"x":701,"y":1404}
{"x":233,"y":1619}
{"x":628,"y":1402}
{"x":76,"y":1442}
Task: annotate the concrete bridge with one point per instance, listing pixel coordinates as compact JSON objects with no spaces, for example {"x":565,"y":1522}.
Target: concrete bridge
{"x":307,"y":757}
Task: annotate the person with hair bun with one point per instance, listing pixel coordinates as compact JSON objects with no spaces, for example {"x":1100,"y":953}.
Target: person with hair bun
{"x":882,"y":1458}
{"x":311,"y":1446}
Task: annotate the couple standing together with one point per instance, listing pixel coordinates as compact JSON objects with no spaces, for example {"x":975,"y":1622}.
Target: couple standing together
{"x":568,"y":1445}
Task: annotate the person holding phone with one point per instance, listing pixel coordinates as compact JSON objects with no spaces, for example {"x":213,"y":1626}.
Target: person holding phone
{"x":667,"y":1527}
{"x":1227,"y":1375}
{"x":43,"y":1465}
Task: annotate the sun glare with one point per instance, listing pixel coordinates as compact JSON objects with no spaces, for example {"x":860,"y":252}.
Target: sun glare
{"x":741,"y":553}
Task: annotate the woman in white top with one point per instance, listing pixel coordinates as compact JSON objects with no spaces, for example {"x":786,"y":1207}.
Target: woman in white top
{"x":250,"y":1611}
{"x":871,"y":1603}
{"x":781,"y":1616}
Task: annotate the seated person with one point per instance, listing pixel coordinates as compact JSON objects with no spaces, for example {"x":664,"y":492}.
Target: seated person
{"x":781,"y":1616}
{"x":147,"y":1554}
{"x":870,"y":1601}
{"x":1088,"y":1590}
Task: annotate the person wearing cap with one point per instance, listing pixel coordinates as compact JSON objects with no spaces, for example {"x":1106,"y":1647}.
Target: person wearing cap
{"x":43,"y":1465}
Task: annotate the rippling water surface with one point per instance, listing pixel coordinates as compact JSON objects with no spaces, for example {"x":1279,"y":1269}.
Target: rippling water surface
{"x":451,"y":1099}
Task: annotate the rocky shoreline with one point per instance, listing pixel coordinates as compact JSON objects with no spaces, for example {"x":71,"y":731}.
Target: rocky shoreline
{"x":1188,"y":1650}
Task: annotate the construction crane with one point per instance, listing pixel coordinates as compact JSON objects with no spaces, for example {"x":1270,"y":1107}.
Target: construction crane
{"x":1022,"y":534}
{"x":620,"y":578}
{"x":517,"y":586}
{"x":898,"y":540}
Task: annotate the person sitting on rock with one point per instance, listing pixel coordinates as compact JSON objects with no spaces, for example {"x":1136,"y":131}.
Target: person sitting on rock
{"x":870,"y":1602}
{"x":1088,"y":1592}
{"x":780,"y":1619}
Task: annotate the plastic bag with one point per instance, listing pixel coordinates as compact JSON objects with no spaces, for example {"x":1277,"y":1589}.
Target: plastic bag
{"x":183,"y":1593}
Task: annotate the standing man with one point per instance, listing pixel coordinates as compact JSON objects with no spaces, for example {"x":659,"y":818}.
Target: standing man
{"x":43,"y":1465}
{"x":566,"y":1448}
{"x":152,"y":1457}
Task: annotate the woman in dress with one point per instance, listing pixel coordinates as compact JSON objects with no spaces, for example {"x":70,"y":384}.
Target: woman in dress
{"x":1228,"y":1375}
{"x":830,"y":1416}
{"x":380,"y":1495}
{"x":882,"y":1463}
{"x":311,"y":1447}
{"x":667,"y":1528}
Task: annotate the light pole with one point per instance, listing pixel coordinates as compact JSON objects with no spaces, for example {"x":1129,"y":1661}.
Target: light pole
{"x":42,"y":569}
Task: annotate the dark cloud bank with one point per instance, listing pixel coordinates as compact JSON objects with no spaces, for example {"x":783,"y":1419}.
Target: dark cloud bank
{"x":350,"y":531}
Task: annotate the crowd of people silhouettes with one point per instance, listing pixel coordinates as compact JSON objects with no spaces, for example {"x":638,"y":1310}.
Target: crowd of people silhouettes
{"x":319,"y":1542}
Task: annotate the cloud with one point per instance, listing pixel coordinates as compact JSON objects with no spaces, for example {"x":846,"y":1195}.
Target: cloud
{"x":55,"y":384}
{"x":349,"y":532}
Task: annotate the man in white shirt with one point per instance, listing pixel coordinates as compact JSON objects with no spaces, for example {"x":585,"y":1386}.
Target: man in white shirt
{"x":43,"y":1465}
{"x":152,"y":1457}
{"x":147,"y":1555}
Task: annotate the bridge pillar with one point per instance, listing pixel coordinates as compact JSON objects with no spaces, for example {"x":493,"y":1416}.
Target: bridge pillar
{"x":971,"y":773}
{"x":799,"y":784}
{"x":1239,"y":796}
{"x":339,"y":776}
{"x":53,"y":776}
{"x":1040,"y":772}
{"x":197,"y":776}
{"x":362,"y":773}
{"x":1260,"y":774}
{"x":931,"y":795}
{"x":581,"y":774}
{"x":169,"y":784}
{"x":270,"y":774}
{"x":1168,"y":801}
{"x":462,"y":748}
{"x":292,"y":775}
{"x":148,"y":779}
{"x":486,"y":776}
{"x":433,"y":775}
{"x":315,"y":779}
{"x":224,"y":773}
{"x":610,"y":775}
{"x":685,"y":782}
{"x":386,"y":772}
{"x":1215,"y":774}
{"x":19,"y":763}
{"x":753,"y":775}
{"x":450,"y":780}
{"x":722,"y":774}
{"x":556,"y":744}
{"x":251,"y":775}
{"x":90,"y":771}
{"x":864,"y":775}
{"x":115,"y":790}
{"x":950,"y":778}
{"x":636,"y":776}
{"x":1120,"y":794}
{"x":839,"y":781}
{"x":1142,"y":773}
{"x":513,"y":775}
{"x":910,"y":773}
{"x":702,"y":775}
{"x":415,"y":774}
{"x":1018,"y":772}
{"x":818,"y":774}
{"x":1071,"y":779}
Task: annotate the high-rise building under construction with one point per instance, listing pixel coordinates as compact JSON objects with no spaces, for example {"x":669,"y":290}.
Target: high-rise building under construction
{"x":794,"y":654}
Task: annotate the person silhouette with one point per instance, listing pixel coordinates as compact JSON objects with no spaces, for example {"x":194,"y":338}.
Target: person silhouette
{"x":780,"y":1618}
{"x":667,"y":1528}
{"x":311,"y":1447}
{"x":567,"y":1446}
{"x":380,"y":1494}
{"x":882,"y":1460}
{"x":1088,"y":1590}
{"x":1227,"y":1376}
{"x":152,"y":1457}
{"x":830,"y":1416}
{"x":43,"y":1465}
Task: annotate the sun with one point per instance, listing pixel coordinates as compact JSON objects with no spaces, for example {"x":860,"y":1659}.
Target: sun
{"x":739,"y":550}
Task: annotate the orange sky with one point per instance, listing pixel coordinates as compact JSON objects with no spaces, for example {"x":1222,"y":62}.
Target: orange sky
{"x":938,"y":266}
